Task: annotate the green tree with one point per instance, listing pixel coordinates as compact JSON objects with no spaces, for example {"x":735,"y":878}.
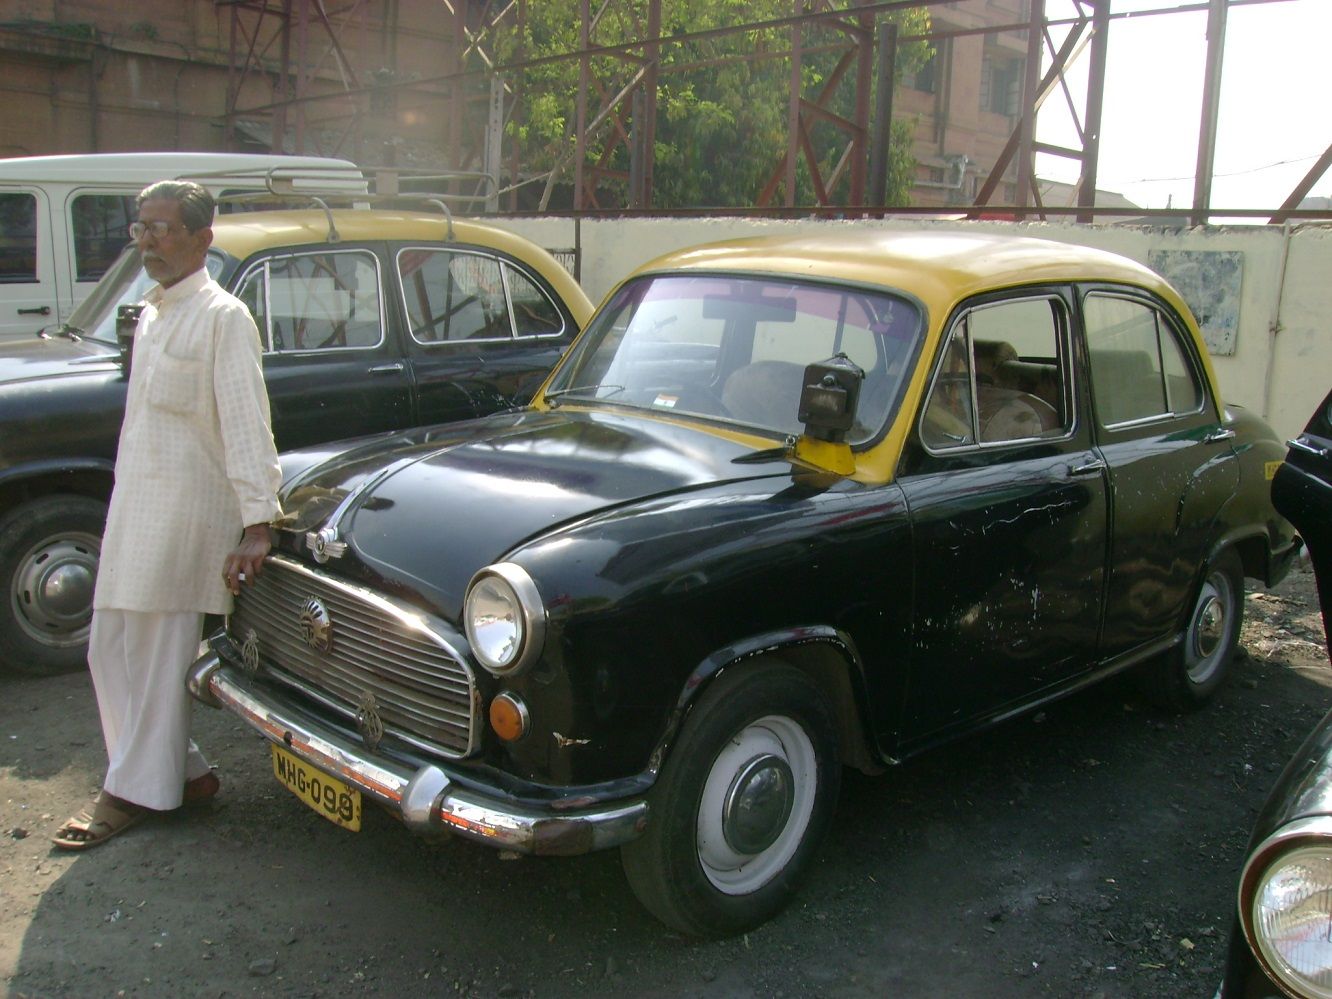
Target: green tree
{"x":722,"y":98}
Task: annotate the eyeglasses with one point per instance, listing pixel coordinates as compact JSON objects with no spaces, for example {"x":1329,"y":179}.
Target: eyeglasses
{"x":138,"y":230}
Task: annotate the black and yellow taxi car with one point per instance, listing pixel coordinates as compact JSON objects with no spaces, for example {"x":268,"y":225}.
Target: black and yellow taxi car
{"x":372,"y":319}
{"x":788,"y":504}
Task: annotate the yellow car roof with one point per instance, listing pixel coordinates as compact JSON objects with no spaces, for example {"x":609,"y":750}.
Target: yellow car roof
{"x":244,"y":233}
{"x":940,"y":267}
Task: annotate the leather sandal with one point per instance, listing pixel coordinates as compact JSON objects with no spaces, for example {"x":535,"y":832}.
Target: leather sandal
{"x":109,"y":816}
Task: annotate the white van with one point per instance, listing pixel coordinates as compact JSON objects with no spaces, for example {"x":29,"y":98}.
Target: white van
{"x":63,"y":219}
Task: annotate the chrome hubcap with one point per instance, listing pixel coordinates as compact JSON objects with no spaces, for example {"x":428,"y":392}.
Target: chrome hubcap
{"x":53,"y":588}
{"x":1210,"y":627}
{"x":758,"y":804}
{"x":1205,"y":644}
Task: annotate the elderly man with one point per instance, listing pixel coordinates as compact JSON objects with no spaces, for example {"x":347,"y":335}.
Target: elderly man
{"x":195,"y":493}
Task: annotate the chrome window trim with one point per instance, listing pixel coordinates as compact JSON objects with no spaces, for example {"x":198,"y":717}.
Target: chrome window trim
{"x":503,"y":263}
{"x":1066,"y":370}
{"x":1163,"y":320}
{"x":266,"y":334}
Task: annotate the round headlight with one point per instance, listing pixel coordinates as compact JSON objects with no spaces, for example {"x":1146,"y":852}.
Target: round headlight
{"x":504,"y":618}
{"x":1290,"y":915}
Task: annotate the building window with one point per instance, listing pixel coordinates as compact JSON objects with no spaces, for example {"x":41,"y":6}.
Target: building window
{"x":925,"y":79}
{"x":1001,"y":85}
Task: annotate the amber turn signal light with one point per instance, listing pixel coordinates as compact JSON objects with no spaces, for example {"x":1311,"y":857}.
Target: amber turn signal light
{"x":508,"y":717}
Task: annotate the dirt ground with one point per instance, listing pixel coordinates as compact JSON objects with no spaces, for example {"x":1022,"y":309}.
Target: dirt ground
{"x":1088,"y":850}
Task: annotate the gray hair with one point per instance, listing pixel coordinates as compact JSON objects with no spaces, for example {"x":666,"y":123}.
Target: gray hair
{"x":196,"y":203}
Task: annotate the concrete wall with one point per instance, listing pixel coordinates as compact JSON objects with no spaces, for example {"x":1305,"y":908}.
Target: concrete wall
{"x":1282,"y":362}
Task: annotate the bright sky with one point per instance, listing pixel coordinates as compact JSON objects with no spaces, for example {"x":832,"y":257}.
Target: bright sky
{"x":1274,"y":116}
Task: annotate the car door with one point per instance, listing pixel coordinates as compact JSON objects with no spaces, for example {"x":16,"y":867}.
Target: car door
{"x":1007,"y":497}
{"x":29,"y":287}
{"x":332,"y":366}
{"x":482,"y":331}
{"x":1171,"y":464}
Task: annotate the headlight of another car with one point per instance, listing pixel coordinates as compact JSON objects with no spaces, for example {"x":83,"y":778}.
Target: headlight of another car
{"x":504,"y":618}
{"x":1286,"y":906}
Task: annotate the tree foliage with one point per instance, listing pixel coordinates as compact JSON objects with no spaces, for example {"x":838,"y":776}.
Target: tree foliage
{"x":723,"y":98}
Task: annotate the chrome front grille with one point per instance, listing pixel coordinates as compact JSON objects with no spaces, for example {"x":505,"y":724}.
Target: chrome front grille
{"x":340,"y":643}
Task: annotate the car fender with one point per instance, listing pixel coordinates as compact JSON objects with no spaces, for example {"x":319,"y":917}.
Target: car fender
{"x":85,"y":476}
{"x":828,"y":654}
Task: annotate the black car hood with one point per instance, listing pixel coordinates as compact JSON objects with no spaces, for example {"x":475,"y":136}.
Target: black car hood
{"x":427,"y":508}
{"x":36,"y":357}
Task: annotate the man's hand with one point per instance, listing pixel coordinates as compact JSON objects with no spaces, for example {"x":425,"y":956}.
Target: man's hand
{"x":247,"y":560}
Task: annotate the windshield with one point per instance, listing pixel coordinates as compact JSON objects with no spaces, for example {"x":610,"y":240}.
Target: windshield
{"x":734,"y":349}
{"x":124,"y":283}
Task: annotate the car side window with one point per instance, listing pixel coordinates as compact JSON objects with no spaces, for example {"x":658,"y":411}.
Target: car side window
{"x":99,"y":222}
{"x":452,"y":296}
{"x":1140,"y":370}
{"x":316,"y":301}
{"x":18,"y":239}
{"x":1001,"y":377}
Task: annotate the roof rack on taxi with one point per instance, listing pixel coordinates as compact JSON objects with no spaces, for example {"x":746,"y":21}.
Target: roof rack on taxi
{"x":376,"y":187}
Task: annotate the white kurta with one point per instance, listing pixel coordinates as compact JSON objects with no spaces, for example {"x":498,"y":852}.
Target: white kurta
{"x":196,"y":461}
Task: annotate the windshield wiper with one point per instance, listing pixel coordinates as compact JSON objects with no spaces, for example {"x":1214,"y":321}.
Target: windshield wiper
{"x":65,"y":330}
{"x":786,"y":449}
{"x":561,"y":393}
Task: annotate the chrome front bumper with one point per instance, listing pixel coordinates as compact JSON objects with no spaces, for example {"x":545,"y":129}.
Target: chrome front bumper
{"x":426,"y":799}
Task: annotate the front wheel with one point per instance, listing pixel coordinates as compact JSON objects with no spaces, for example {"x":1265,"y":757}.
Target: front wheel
{"x":1190,"y":674}
{"x":741,"y":804}
{"x":49,"y":550}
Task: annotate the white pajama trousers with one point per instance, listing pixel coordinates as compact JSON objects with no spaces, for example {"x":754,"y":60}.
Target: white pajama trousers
{"x":138,"y":662}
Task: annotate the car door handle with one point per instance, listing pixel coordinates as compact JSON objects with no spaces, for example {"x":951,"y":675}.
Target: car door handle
{"x":1307,"y":448}
{"x":1219,"y":434}
{"x":41,"y":310}
{"x":386,"y":369}
{"x":1090,"y":468}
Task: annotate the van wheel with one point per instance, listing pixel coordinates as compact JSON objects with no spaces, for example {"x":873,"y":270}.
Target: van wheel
{"x":1191,"y":674}
{"x":741,"y":804}
{"x":49,"y":549}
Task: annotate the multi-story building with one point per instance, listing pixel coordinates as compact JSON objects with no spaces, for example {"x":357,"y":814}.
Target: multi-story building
{"x":90,"y":75}
{"x":967,"y":100}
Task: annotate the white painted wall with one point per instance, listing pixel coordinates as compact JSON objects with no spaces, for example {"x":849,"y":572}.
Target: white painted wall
{"x":1282,"y":365}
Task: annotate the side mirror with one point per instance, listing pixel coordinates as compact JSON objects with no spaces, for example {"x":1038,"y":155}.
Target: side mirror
{"x":829,"y":397}
{"x":127,"y":321}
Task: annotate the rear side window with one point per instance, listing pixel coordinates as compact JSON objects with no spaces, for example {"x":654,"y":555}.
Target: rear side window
{"x":453,"y":296}
{"x":1002,"y":377}
{"x":456,"y":295}
{"x":18,"y":239}
{"x":316,"y":301}
{"x":100,"y":223}
{"x":1140,"y":368}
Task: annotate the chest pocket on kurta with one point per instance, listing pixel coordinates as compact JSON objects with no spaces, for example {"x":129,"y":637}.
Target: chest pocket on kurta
{"x":175,"y":385}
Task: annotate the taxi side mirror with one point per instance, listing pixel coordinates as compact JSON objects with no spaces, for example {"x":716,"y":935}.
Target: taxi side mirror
{"x":829,"y":397}
{"x":127,"y":321}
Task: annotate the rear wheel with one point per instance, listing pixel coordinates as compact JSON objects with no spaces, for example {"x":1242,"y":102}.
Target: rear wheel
{"x":1189,"y":676}
{"x":741,"y":804}
{"x":49,"y":549}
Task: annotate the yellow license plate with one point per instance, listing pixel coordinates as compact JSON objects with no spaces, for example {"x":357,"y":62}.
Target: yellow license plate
{"x":327,"y":795}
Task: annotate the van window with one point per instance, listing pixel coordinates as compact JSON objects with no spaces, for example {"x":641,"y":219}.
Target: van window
{"x":18,"y":239}
{"x":99,"y":223}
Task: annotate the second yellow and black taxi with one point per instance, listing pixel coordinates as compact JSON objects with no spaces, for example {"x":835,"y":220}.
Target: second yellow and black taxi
{"x":787,"y":505}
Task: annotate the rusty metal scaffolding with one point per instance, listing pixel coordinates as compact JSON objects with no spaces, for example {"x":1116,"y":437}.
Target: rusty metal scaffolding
{"x":291,"y":67}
